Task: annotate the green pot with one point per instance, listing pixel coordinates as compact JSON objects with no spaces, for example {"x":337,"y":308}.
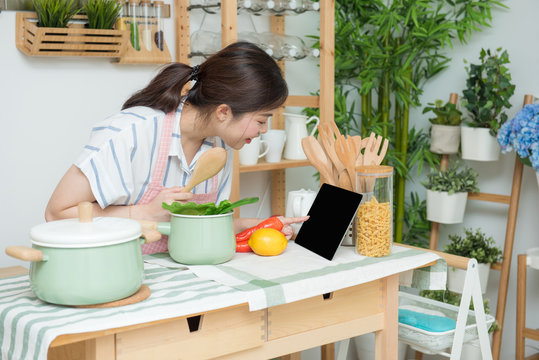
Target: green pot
{"x":84,"y":263}
{"x":200,"y":239}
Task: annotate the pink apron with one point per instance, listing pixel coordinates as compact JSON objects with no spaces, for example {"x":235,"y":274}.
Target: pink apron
{"x":155,"y":186}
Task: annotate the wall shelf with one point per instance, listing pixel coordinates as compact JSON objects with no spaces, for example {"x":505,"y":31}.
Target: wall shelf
{"x":264,"y":166}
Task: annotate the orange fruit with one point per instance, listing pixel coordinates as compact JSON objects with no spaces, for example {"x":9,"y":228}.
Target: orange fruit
{"x":267,"y":242}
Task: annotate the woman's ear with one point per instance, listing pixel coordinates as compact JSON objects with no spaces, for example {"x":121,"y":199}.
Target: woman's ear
{"x":223,"y":112}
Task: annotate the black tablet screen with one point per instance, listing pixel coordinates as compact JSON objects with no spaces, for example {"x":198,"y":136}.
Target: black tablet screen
{"x":330,"y":215}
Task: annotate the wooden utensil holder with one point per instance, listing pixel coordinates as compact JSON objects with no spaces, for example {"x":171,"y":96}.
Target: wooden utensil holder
{"x":75,"y":40}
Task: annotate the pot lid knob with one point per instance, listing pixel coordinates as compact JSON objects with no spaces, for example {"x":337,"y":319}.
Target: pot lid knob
{"x":85,"y":211}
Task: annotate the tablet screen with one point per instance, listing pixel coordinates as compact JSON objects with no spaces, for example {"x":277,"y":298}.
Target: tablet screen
{"x":331,"y":213}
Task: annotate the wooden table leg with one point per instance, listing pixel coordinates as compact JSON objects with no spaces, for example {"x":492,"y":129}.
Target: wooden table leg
{"x":101,"y":348}
{"x":294,"y":356}
{"x":387,"y":340}
{"x":328,"y":351}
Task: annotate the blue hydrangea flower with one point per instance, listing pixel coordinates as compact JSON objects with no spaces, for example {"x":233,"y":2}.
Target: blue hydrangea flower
{"x":521,"y":134}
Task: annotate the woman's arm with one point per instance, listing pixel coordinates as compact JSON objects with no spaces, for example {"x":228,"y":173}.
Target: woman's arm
{"x":74,"y":188}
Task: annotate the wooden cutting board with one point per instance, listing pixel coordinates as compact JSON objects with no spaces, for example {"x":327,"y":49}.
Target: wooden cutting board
{"x":142,"y":294}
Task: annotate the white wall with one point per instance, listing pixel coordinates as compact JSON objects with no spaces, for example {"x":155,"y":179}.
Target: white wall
{"x":48,"y":105}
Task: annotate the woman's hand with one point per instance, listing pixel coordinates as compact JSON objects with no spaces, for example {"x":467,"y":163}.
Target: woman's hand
{"x":288,"y":230}
{"x":154,"y":211}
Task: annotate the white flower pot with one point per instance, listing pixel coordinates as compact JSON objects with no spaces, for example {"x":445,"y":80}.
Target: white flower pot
{"x":444,"y":208}
{"x":478,"y":144}
{"x":455,"y":278}
{"x":364,"y":345}
{"x":444,"y":139}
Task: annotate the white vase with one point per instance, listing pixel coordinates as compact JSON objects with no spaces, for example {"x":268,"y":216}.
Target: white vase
{"x":444,"y":139}
{"x":478,"y":144}
{"x":444,"y":208}
{"x":455,"y":278}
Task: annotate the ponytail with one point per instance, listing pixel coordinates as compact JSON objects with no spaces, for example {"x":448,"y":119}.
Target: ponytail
{"x":164,"y":92}
{"x":240,"y":75}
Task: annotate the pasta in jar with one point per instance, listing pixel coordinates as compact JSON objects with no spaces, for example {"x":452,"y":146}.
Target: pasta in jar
{"x":374,"y":228}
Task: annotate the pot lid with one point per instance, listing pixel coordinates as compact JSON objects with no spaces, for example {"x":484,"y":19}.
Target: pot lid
{"x":85,"y":231}
{"x":71,"y":233}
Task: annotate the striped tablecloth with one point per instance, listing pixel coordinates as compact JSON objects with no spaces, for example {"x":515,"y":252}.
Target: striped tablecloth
{"x":298,"y":273}
{"x":28,"y":325}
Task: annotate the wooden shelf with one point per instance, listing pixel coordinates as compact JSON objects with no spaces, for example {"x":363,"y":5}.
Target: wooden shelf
{"x":265,"y":166}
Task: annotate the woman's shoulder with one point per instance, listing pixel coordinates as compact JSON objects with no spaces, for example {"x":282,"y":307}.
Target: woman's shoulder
{"x":139,"y":115}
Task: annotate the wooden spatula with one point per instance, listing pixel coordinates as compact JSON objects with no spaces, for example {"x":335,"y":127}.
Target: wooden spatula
{"x":347,"y":153}
{"x":208,"y":165}
{"x":317,"y":157}
{"x":328,"y":142}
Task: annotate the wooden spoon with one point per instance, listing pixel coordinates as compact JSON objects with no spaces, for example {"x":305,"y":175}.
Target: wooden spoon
{"x":347,"y":153}
{"x":317,"y":157}
{"x":344,"y":181}
{"x":207,"y":166}
{"x":328,"y":142}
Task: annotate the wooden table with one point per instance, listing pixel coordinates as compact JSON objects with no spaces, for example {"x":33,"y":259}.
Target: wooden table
{"x":237,"y":333}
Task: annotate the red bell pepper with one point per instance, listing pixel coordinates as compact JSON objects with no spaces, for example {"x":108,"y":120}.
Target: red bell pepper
{"x":243,"y":246}
{"x":272,"y":222}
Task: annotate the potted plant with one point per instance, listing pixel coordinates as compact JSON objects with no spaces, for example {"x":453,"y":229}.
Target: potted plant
{"x":472,"y":245}
{"x":445,"y":129}
{"x":522,"y":135}
{"x":54,"y":13}
{"x":487,"y":94}
{"x":102,"y":14}
{"x":447,"y":193}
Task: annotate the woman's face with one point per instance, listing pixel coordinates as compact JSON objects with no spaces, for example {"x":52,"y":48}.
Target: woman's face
{"x":240,"y":131}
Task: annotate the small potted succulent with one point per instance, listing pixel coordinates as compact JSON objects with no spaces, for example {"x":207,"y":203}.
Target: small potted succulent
{"x":521,"y":134}
{"x":447,"y":193}
{"x":472,"y":245}
{"x":487,"y":94}
{"x":445,"y":129}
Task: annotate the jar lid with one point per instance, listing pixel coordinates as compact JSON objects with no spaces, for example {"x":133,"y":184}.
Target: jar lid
{"x":72,"y":233}
{"x":375,"y":170}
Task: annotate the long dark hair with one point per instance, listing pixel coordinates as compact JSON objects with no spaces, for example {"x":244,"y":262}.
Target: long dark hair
{"x":241,"y":75}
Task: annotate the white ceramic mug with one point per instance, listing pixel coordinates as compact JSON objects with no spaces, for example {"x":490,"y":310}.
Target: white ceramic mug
{"x":298,"y":204}
{"x":250,"y":153}
{"x":275,"y":140}
{"x":296,"y":130}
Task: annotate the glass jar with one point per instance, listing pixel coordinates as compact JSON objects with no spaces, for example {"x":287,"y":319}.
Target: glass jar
{"x":147,"y":18}
{"x":133,"y":26}
{"x":159,"y":37}
{"x":122,"y":16}
{"x":374,"y":219}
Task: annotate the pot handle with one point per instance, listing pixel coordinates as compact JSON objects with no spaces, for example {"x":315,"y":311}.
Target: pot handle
{"x":150,"y":235}
{"x":148,"y":225}
{"x":26,"y":253}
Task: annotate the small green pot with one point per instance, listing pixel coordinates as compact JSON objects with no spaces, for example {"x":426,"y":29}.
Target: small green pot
{"x":200,"y":239}
{"x":84,"y":263}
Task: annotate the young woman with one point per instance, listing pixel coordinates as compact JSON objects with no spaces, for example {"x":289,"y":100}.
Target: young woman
{"x":143,"y":156}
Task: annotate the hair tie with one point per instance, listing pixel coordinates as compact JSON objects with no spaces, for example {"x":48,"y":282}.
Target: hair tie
{"x":194,"y":73}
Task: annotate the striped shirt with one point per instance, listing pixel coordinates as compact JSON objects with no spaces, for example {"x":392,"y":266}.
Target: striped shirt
{"x":121,"y":154}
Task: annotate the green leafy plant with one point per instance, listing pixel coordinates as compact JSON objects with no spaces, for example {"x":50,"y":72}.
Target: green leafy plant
{"x":452,"y":180}
{"x":488,"y":90}
{"x":102,"y":14}
{"x":417,"y":226}
{"x":192,"y":208}
{"x":474,"y":245}
{"x":446,"y":114}
{"x":54,"y":13}
{"x":385,"y":51}
{"x":452,"y":298}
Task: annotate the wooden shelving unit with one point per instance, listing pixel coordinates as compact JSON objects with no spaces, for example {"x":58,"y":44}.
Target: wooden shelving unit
{"x":504,"y":267}
{"x":229,"y":31}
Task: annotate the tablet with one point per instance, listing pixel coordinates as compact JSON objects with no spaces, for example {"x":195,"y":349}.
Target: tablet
{"x":331,"y":213}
